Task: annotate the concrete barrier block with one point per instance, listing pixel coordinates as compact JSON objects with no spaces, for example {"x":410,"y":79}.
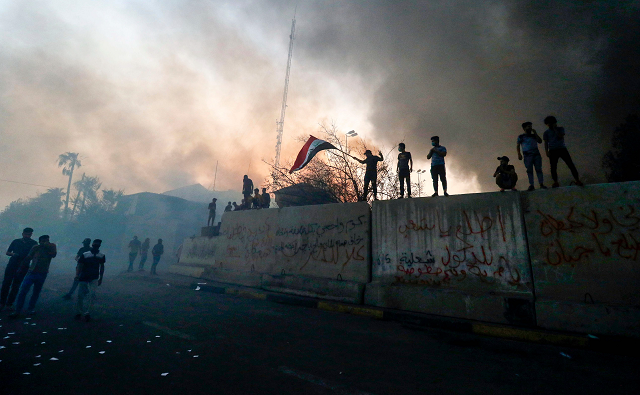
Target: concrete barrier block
{"x":585,"y":251}
{"x":342,"y":291}
{"x":200,"y":251}
{"x":470,"y":250}
{"x":327,"y":241}
{"x":518,"y":310}
{"x":247,"y":239}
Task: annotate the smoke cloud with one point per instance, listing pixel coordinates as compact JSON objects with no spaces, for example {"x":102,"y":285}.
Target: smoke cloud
{"x":153,"y":94}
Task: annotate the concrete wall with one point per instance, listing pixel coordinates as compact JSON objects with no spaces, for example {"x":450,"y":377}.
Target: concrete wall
{"x":585,"y":256}
{"x":321,"y":251}
{"x":461,"y":256}
{"x":564,"y":259}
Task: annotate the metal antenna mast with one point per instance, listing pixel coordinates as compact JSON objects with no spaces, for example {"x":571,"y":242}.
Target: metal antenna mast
{"x":280,"y":123}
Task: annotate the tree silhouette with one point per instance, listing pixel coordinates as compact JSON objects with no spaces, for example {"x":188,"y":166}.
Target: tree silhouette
{"x":334,"y":172}
{"x":68,"y":161}
{"x":622,"y":162}
{"x":87,"y":187}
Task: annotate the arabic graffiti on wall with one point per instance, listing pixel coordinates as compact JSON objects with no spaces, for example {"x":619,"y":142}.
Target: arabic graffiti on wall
{"x":336,"y":243}
{"x":478,"y":246}
{"x":584,"y":234}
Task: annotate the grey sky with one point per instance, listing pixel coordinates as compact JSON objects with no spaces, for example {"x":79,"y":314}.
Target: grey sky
{"x":152,"y":93}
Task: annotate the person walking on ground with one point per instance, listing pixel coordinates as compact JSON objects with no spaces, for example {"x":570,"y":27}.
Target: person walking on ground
{"x":18,"y":250}
{"x":555,"y":149}
{"x":212,"y":212}
{"x":437,"y":154}
{"x":505,"y":175}
{"x":40,"y":258}
{"x":86,"y":246}
{"x":371,"y":173}
{"x":144,"y":253}
{"x":266,"y":198}
{"x":228,"y":208}
{"x":157,"y":252}
{"x":529,"y":141}
{"x":134,"y":247}
{"x":90,"y":272}
{"x":247,"y":190}
{"x":404,"y":167}
{"x":256,"y":200}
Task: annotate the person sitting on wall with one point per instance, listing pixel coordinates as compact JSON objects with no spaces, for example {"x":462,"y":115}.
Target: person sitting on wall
{"x":236,"y":207}
{"x":256,"y":200}
{"x":228,"y":208}
{"x":266,"y":198}
{"x":505,"y":175}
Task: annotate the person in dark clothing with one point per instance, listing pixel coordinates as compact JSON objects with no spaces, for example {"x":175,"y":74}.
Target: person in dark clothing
{"x":437,"y":154}
{"x":404,"y":167}
{"x":247,"y":190}
{"x":157,"y":252}
{"x":86,"y":246}
{"x":18,"y":250}
{"x":228,"y":208}
{"x":236,"y":207}
{"x":505,"y":175}
{"x":90,"y":272}
{"x":40,"y":258}
{"x":266,"y":198}
{"x":144,"y":253}
{"x":371,"y":173}
{"x":529,"y":141}
{"x":256,"y":200}
{"x":212,"y":212}
{"x":134,"y":247}
{"x":555,"y":149}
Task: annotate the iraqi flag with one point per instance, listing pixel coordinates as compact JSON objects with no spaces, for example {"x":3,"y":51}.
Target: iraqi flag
{"x":310,"y":149}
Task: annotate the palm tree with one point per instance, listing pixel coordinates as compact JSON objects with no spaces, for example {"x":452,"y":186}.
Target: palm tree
{"x":68,"y":161}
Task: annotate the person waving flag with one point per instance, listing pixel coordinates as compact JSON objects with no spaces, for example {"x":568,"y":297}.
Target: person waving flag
{"x":310,"y":149}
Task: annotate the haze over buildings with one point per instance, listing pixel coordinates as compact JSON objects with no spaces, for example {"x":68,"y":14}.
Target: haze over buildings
{"x":152,"y":94}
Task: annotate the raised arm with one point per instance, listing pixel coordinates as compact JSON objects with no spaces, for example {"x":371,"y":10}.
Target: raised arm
{"x":536,"y":136}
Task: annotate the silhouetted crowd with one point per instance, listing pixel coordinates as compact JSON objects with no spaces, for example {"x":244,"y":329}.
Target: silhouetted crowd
{"x":28,"y":267}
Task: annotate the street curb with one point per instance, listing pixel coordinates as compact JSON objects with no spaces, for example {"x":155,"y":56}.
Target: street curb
{"x":422,"y":321}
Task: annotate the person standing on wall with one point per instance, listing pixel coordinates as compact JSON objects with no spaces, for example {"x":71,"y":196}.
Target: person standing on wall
{"x":529,"y":141}
{"x":247,"y":190}
{"x":90,"y":271}
{"x":157,"y":252}
{"x":144,"y":253}
{"x":134,"y":247}
{"x":212,"y":212}
{"x":371,"y":173}
{"x":555,"y":149}
{"x":404,"y":167}
{"x":40,"y":258}
{"x":18,"y":250}
{"x":86,"y":246}
{"x":437,"y":154}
